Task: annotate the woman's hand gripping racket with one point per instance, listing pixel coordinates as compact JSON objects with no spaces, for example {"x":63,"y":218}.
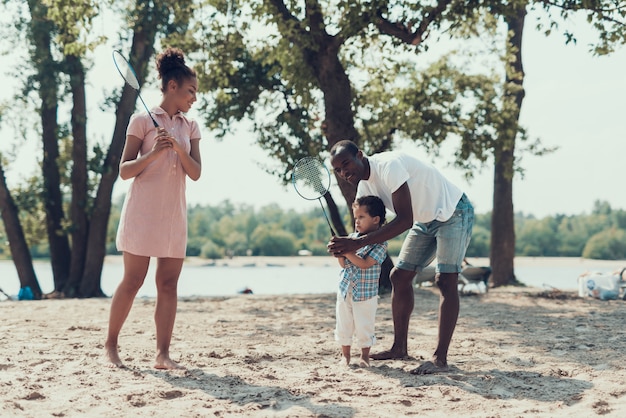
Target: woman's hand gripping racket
{"x":128,"y":74}
{"x":311,"y":179}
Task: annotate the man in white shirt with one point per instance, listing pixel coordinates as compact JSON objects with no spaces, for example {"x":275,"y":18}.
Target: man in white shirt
{"x":440,"y":218}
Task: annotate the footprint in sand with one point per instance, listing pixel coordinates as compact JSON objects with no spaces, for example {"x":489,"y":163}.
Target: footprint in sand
{"x":171,"y":394}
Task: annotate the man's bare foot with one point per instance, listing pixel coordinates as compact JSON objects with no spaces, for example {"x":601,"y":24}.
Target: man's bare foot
{"x":364,"y":362}
{"x":430,"y":367}
{"x":166,"y":363}
{"x":389,"y":355}
{"x":112,"y":358}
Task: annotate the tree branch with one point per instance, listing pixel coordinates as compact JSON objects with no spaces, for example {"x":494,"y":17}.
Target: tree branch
{"x":404,"y":32}
{"x":573,"y":6}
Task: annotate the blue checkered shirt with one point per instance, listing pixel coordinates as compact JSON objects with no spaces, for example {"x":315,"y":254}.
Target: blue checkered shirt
{"x":363,"y":282}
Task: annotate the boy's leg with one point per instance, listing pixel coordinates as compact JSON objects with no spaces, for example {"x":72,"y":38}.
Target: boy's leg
{"x":344,"y":328}
{"x":364,"y":322}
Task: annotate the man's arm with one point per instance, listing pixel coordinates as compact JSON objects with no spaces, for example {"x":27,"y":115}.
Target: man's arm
{"x":404,"y":220}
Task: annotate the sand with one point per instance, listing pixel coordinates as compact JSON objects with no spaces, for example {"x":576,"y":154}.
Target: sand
{"x":517,"y":352}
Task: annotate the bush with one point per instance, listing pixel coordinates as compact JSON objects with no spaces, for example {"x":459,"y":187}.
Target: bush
{"x":272,"y":242}
{"x":318,"y":248}
{"x":194,"y":246}
{"x":609,"y":244}
{"x":479,"y":245}
{"x":393,"y":249}
{"x":211,"y":250}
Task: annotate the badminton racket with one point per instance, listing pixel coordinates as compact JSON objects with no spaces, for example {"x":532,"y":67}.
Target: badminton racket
{"x":130,"y":76}
{"x":311,"y":179}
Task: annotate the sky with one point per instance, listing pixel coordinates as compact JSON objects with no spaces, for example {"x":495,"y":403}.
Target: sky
{"x":574,"y":101}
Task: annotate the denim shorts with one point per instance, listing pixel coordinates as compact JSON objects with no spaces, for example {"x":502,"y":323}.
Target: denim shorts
{"x":447,"y":241}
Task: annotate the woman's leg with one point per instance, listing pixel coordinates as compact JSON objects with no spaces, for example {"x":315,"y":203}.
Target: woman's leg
{"x":135,"y":270}
{"x":167,"y":274}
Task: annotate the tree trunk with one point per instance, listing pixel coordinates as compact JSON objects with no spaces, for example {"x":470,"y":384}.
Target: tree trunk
{"x":79,"y":205}
{"x":46,"y":74}
{"x":17,"y":241}
{"x":323,"y":60}
{"x":335,"y":218}
{"x":142,"y":50}
{"x":502,"y":252}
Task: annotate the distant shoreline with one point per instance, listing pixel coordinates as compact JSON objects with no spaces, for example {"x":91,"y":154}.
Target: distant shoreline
{"x":322,"y":261}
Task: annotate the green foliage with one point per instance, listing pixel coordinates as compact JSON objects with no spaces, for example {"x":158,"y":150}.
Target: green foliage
{"x":224,"y":229}
{"x":270,"y":241}
{"x":211,"y":250}
{"x":537,"y":238}
{"x":394,"y":246}
{"x":609,"y":244}
{"x":27,"y":197}
{"x":571,"y":236}
{"x":73,"y":20}
{"x":480,"y":243}
{"x":195,"y":246}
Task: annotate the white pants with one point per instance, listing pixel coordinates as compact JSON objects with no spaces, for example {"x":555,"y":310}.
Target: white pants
{"x":355,"y":319}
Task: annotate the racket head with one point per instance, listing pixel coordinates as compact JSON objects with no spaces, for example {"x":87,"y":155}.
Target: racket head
{"x":125,"y":69}
{"x":310,"y":178}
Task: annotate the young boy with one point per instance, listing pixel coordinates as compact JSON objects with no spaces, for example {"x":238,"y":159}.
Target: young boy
{"x":357,"y":298}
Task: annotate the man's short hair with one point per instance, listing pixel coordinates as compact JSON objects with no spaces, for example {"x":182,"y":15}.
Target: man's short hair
{"x":346,"y":145}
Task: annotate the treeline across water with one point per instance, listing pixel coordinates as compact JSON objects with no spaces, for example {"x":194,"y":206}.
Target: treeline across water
{"x":226,"y":229}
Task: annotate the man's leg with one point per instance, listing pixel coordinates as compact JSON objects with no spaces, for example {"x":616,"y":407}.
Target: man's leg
{"x":448,"y":315}
{"x":402,"y":303}
{"x":453,"y":237}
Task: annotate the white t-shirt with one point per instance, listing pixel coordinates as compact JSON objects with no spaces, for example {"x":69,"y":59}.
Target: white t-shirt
{"x":433,"y":197}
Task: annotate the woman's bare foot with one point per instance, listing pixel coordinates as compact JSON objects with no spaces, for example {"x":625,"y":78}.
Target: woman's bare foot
{"x":113,"y":358}
{"x":390,"y":355}
{"x":166,"y":363}
{"x":431,"y":367}
{"x":364,"y":362}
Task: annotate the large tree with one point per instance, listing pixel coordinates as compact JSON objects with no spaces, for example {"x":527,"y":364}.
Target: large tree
{"x":15,"y":235}
{"x":326,"y":72}
{"x":608,"y":18}
{"x":318,"y":72}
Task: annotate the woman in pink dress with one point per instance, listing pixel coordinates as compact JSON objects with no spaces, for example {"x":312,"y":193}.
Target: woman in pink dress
{"x":154,"y":216}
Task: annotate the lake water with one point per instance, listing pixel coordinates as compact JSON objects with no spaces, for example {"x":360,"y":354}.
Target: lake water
{"x":223,"y":280}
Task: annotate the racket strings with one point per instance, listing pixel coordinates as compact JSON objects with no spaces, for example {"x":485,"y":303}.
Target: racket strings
{"x":311,"y":179}
{"x":126,"y":70}
{"x":131,"y":79}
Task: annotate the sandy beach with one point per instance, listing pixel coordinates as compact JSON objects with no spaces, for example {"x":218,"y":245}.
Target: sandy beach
{"x":517,"y":352}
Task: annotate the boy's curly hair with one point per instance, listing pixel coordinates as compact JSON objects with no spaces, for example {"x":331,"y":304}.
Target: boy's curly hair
{"x":374,"y":206}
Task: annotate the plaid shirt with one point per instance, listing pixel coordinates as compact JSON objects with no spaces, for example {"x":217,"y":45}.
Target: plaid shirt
{"x":364,"y":282}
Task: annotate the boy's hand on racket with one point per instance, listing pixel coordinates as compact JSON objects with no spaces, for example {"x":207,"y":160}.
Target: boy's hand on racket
{"x":339,"y":246}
